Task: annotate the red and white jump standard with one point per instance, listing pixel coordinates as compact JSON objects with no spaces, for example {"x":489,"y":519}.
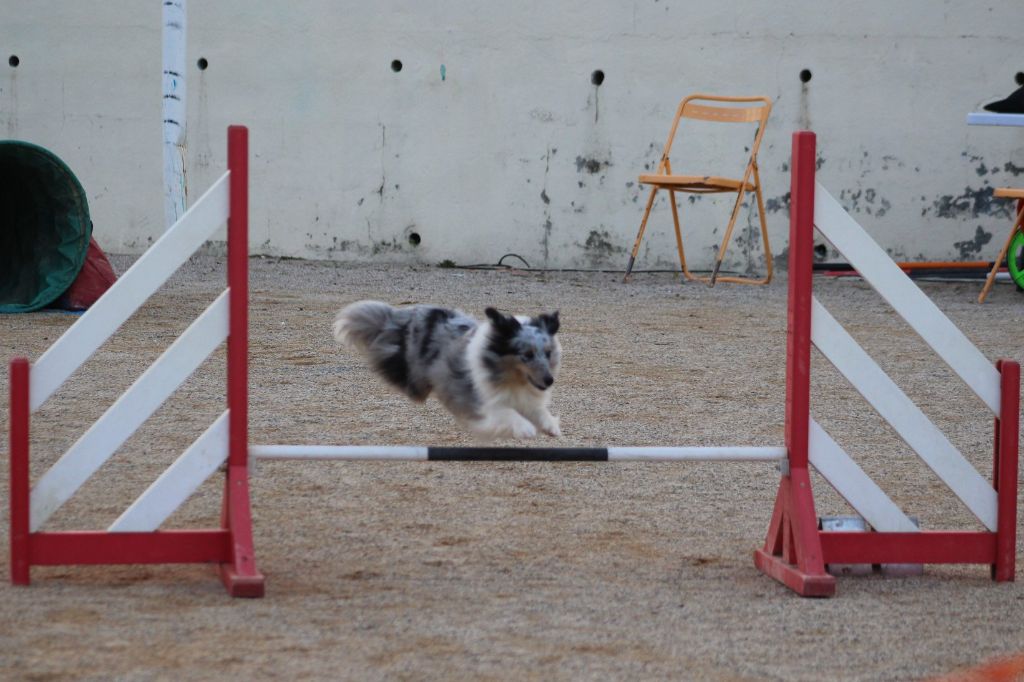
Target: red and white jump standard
{"x":795,"y":552}
{"x":126,"y":542}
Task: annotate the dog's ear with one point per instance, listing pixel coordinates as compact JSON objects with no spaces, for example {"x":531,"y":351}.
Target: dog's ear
{"x":549,"y":323}
{"x":504,"y":323}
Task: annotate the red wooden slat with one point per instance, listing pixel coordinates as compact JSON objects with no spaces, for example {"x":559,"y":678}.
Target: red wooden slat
{"x":925,"y":547}
{"x":159,"y":547}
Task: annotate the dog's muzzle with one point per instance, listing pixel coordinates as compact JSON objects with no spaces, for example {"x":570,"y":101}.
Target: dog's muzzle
{"x":548,"y":380}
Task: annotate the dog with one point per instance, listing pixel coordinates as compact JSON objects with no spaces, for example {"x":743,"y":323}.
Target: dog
{"x":494,"y":376}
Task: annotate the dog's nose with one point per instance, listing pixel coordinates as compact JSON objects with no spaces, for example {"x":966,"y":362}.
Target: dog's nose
{"x":548,"y":380}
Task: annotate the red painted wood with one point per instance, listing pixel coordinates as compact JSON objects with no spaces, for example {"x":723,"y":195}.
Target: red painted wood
{"x":773,"y":544}
{"x":804,"y":524}
{"x":925,"y":547}
{"x":20,"y":487}
{"x":792,"y":551}
{"x":238,"y":304}
{"x":1005,"y":471}
{"x":805,"y":585}
{"x":239,"y":573}
{"x":159,"y":547}
{"x":798,"y":333}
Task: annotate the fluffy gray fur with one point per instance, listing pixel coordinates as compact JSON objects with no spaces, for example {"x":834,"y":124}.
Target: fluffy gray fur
{"x":491,"y":375}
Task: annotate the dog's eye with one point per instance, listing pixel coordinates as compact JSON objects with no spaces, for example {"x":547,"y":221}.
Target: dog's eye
{"x":528,"y":355}
{"x":547,"y":354}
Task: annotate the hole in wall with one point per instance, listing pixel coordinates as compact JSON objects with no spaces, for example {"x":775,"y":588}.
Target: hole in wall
{"x":806,"y":75}
{"x":414,"y":238}
{"x":202,"y":64}
{"x":1019,"y":78}
{"x":597,"y":77}
{"x":13,"y":60}
{"x":396,"y":65}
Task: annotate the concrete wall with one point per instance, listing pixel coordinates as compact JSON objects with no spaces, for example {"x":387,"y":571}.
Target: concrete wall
{"x":492,"y":138}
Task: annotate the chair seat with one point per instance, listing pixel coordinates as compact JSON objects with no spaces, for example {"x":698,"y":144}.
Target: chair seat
{"x":1008,"y":192}
{"x":695,"y":183}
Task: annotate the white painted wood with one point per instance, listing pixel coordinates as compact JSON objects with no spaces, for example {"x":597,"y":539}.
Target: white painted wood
{"x":178,"y":482}
{"x":985,"y":118}
{"x":856,"y":487}
{"x":339,"y":452}
{"x":903,"y":415}
{"x":697,"y":454}
{"x":173,"y":111}
{"x":875,"y":266}
{"x":135,"y":405}
{"x":129,"y":292}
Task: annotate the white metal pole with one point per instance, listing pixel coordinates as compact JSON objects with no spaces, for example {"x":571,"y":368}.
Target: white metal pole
{"x":623,"y":454}
{"x":173,"y":110}
{"x":697,"y":454}
{"x":343,"y":452}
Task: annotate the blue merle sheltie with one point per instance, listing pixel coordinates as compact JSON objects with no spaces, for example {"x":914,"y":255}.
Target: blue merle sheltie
{"x":494,"y":376}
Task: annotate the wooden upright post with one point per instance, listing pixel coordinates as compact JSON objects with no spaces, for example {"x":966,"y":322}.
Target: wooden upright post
{"x":792,"y":551}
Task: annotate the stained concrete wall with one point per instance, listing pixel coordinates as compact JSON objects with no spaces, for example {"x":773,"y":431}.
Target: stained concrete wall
{"x":492,"y":138}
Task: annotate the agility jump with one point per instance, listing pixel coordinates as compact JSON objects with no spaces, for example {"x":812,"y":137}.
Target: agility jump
{"x":795,"y":551}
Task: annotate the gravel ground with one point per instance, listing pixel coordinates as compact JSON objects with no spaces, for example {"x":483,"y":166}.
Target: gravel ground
{"x":522,"y":570}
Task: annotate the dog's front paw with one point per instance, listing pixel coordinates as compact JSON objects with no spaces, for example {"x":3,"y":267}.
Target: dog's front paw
{"x":524,"y":429}
{"x":552,"y":426}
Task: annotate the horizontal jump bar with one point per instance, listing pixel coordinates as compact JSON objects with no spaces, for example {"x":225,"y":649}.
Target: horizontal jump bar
{"x":491,"y":454}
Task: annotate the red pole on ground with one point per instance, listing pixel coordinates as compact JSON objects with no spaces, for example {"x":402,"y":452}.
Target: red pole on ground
{"x":241,"y":577}
{"x":19,"y":483}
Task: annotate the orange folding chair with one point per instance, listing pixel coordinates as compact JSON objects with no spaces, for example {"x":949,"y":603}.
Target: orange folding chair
{"x":693,"y":107}
{"x":1018,"y":226}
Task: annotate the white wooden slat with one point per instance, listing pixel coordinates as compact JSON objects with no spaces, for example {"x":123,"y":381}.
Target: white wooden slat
{"x":135,"y":405}
{"x":875,"y":266}
{"x":855,"y":486}
{"x":178,"y":482}
{"x":130,"y":291}
{"x":902,"y":414}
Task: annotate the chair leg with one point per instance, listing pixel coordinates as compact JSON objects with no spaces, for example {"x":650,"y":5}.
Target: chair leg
{"x":764,"y":230}
{"x":640,"y":234}
{"x":728,"y":235}
{"x":767,"y":246}
{"x":679,"y":236}
{"x":999,"y":259}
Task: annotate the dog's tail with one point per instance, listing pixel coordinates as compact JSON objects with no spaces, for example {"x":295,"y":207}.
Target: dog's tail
{"x":358,"y":325}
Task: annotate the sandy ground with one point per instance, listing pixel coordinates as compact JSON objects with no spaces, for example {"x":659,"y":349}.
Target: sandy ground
{"x":511,"y":571}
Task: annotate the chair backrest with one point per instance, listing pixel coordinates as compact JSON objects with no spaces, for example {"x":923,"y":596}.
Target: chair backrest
{"x":694,"y":107}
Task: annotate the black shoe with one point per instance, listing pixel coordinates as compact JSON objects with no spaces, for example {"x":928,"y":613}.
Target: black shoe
{"x":1014,"y":104}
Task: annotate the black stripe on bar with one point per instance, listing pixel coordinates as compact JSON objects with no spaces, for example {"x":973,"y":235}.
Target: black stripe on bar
{"x":468,"y":454}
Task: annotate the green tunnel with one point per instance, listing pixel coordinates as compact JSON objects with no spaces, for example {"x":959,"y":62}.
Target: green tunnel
{"x":45,"y":230}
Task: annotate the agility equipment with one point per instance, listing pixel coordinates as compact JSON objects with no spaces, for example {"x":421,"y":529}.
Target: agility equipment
{"x":47,"y":254}
{"x":795,"y":551}
{"x":134,"y":538}
{"x":1015,"y":260}
{"x":410,"y":453}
